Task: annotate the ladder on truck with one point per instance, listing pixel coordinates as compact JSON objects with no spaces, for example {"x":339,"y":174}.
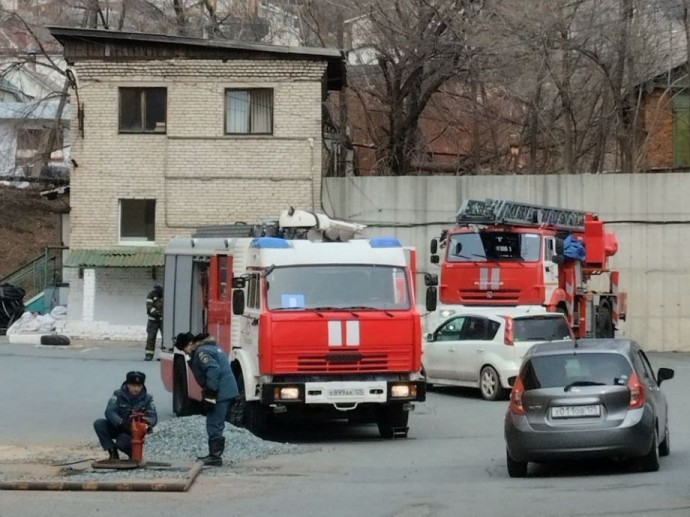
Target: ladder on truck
{"x":500,"y":211}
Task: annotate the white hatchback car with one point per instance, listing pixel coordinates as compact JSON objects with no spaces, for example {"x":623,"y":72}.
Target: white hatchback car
{"x":483,"y":350}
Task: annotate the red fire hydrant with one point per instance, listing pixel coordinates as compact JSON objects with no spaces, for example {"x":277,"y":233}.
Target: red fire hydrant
{"x":139,"y":429}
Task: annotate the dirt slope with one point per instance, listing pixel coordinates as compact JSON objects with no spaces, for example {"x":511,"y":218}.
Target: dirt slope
{"x":28,"y":223}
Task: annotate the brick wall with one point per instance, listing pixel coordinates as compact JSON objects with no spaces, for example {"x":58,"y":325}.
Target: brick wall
{"x":658,"y":124}
{"x":197,"y":174}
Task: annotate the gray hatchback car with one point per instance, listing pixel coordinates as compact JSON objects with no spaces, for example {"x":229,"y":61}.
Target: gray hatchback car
{"x":587,"y":398}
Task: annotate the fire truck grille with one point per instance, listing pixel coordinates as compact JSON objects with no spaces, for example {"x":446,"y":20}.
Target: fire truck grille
{"x":504,"y":295}
{"x":342,"y":362}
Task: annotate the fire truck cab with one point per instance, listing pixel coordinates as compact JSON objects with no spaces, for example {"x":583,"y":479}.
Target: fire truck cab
{"x":314,"y":321}
{"x":508,"y":254}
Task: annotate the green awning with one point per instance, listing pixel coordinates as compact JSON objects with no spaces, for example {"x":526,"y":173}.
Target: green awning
{"x":124,"y":256}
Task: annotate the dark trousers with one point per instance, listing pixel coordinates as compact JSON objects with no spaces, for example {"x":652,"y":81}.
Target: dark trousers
{"x":152,"y":329}
{"x":215,"y":420}
{"x":110,"y":436}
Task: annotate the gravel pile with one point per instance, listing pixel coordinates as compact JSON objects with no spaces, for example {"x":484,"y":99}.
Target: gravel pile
{"x":177,"y":441}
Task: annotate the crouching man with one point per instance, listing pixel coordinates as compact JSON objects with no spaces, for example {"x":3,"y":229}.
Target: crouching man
{"x":115,"y":430}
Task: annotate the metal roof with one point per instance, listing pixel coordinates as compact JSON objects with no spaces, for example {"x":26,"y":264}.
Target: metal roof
{"x":122,"y":256}
{"x":69,"y":37}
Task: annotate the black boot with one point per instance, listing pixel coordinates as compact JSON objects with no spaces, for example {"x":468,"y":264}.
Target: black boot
{"x":113,"y":454}
{"x":216,"y":446}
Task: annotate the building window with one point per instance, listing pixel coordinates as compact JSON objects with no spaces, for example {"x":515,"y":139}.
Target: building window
{"x":137,"y":220}
{"x":249,"y":112}
{"x":681,"y":130}
{"x":143,"y":110}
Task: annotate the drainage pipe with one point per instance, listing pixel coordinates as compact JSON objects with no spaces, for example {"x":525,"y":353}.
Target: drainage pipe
{"x":109,"y":486}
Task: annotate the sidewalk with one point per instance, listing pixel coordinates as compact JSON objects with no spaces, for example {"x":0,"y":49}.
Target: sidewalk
{"x":86,"y":343}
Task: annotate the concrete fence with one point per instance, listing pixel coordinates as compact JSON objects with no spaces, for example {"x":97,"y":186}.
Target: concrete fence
{"x":650,"y":213}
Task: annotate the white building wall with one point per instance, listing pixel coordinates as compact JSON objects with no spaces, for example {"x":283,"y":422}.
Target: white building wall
{"x":119,"y":307}
{"x":649,"y":213}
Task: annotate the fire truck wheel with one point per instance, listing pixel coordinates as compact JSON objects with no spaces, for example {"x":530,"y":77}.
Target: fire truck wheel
{"x":490,"y":384}
{"x":604,"y":322}
{"x":257,"y":419}
{"x":392,"y":421}
{"x":182,"y":406}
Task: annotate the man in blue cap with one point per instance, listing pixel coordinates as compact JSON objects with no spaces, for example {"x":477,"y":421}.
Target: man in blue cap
{"x":212,"y":371}
{"x":115,"y":430}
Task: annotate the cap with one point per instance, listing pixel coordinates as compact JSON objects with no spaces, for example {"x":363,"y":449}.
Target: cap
{"x":183,"y":339}
{"x":135,"y":378}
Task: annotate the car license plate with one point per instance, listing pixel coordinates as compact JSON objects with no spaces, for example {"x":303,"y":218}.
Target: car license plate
{"x":575,"y":411}
{"x":346,"y":392}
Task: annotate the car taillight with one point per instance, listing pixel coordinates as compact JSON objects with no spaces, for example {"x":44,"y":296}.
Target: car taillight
{"x":509,"y":338}
{"x":638,"y":394}
{"x":516,"y":406}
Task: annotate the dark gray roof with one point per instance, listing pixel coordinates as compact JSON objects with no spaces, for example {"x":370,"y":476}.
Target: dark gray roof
{"x":73,"y":40}
{"x":620,"y":345}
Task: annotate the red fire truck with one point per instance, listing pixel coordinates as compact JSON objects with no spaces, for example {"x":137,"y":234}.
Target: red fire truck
{"x":314,"y":321}
{"x":509,"y":254}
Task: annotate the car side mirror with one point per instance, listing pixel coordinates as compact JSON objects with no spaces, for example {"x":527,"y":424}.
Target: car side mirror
{"x":511,"y":381}
{"x":238,"y":302}
{"x":433,"y":247}
{"x":429,"y":337}
{"x":664,"y":374}
{"x":431,"y":295}
{"x":434,"y":259}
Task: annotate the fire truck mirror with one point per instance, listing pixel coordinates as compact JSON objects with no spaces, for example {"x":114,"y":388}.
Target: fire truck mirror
{"x":434,"y":246}
{"x":238,"y":283}
{"x":557,"y":259}
{"x":434,"y":259}
{"x":430,"y":299}
{"x":238,"y":302}
{"x":430,"y":279}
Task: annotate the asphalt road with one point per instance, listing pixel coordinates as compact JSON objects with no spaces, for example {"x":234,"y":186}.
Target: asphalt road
{"x":451,"y":465}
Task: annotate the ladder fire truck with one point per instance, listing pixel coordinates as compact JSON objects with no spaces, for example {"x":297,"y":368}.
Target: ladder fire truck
{"x":314,"y":321}
{"x":505,"y":253}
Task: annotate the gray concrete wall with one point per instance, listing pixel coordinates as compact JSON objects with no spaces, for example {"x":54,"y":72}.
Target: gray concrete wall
{"x":650,"y":213}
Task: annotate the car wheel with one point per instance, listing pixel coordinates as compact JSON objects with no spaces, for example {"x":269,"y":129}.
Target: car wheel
{"x":490,"y":384}
{"x":665,"y":446}
{"x":650,"y":461}
{"x":516,"y":469}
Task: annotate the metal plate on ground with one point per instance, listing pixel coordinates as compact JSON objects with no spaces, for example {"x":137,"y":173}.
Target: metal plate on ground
{"x":116,"y":464}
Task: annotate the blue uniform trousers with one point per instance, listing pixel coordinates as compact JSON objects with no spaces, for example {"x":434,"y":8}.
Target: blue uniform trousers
{"x":215,"y":419}
{"x":111,"y":436}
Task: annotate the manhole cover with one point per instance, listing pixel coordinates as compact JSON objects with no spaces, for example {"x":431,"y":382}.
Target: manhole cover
{"x":115,"y":464}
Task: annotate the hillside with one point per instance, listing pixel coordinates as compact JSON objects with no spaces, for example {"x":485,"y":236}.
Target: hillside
{"x":28,"y":223}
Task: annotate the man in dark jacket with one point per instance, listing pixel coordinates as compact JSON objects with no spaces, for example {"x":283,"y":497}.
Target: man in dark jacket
{"x":115,"y":430}
{"x":154,"y":310}
{"x":212,"y":371}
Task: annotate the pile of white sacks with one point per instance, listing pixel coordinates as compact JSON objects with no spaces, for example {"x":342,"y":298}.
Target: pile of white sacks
{"x":30,"y":323}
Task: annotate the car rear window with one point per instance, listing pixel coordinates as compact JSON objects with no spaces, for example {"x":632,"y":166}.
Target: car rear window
{"x":541,"y":328}
{"x":552,"y":371}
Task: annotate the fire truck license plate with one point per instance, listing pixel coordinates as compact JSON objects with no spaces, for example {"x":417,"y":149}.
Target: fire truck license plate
{"x":344,"y":392}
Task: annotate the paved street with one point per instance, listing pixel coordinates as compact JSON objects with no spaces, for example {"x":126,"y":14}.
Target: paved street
{"x":452,"y":464}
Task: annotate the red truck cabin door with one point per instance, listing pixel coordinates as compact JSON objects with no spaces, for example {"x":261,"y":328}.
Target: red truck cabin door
{"x":220,"y":300}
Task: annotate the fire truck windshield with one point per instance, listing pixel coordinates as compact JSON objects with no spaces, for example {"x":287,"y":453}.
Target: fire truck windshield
{"x":337,"y":286}
{"x":492,"y":245}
